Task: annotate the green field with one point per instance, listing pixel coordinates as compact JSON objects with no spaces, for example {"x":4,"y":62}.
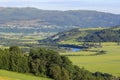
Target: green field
{"x":106,"y":63}
{"x":7,"y":75}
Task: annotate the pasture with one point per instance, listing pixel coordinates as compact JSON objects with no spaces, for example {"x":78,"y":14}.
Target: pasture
{"x":106,"y":63}
{"x":8,"y":75}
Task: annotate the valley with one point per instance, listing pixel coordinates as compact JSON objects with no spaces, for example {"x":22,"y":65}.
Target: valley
{"x":40,"y":44}
{"x":103,"y":56}
{"x":103,"y":59}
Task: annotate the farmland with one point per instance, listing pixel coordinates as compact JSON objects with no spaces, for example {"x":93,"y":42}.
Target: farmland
{"x":109,"y":62}
{"x":22,"y":40}
{"x":106,"y":63}
{"x":109,"y":41}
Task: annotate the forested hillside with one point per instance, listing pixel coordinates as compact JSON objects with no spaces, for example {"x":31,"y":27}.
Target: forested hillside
{"x":46,"y":63}
{"x":103,"y":36}
{"x":87,"y":35}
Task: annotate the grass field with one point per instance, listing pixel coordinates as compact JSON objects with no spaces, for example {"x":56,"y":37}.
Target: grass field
{"x":80,"y":53}
{"x":7,"y":75}
{"x":106,"y":63}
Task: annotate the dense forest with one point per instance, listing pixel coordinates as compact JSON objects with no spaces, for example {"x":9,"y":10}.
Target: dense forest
{"x":106,"y":35}
{"x":46,"y":63}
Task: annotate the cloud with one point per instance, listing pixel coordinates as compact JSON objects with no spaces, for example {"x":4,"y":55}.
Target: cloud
{"x":39,"y":0}
{"x":17,"y":0}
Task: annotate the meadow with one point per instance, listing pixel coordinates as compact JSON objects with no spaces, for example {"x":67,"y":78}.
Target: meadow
{"x":8,"y":75}
{"x":106,"y":63}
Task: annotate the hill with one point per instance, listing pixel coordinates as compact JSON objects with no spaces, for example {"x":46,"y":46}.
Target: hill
{"x":87,"y":35}
{"x":55,"y":20}
{"x":44,"y":62}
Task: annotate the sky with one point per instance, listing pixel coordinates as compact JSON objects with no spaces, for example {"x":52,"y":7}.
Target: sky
{"x":111,"y":6}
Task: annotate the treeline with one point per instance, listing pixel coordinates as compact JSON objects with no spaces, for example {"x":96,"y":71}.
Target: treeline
{"x":46,"y":63}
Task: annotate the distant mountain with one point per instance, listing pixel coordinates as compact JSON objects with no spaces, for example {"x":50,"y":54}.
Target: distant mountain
{"x":30,"y":17}
{"x":86,"y":35}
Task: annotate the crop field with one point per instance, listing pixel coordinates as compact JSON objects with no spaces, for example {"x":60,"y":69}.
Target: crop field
{"x":7,"y":75}
{"x":106,"y":63}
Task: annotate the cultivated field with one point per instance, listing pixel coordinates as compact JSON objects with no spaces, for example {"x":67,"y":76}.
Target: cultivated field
{"x":106,"y":63}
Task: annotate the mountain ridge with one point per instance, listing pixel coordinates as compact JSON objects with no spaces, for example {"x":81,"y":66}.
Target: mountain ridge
{"x":69,"y":18}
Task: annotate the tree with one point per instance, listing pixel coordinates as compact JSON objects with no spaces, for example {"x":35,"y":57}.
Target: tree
{"x":4,"y":59}
{"x":55,"y":72}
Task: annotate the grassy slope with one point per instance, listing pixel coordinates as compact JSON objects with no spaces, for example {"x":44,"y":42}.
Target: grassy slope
{"x":109,"y":62}
{"x":7,"y":75}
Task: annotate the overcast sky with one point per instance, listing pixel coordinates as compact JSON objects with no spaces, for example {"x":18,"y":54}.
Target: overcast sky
{"x":112,"y":6}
